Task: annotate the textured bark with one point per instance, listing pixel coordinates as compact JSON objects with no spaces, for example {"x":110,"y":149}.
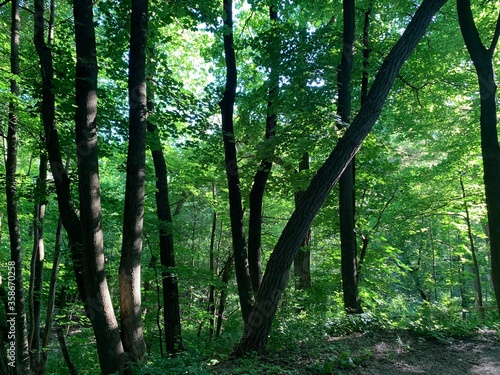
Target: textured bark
{"x":245,"y":291}
{"x":276,"y":276}
{"x":109,"y":345}
{"x":302,"y":260}
{"x":262,"y":174}
{"x":482,"y":59}
{"x":68,"y":215}
{"x":133,"y":215}
{"x":347,"y":207}
{"x":16,"y":307}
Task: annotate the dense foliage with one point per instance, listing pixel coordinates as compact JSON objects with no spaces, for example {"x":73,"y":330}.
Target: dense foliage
{"x":421,"y":219}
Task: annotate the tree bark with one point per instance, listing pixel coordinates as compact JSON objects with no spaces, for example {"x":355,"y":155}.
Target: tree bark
{"x":133,"y":215}
{"x":276,"y":276}
{"x":262,"y":174}
{"x":482,"y":59}
{"x":245,"y":291}
{"x":16,"y":304}
{"x":348,"y":245}
{"x":112,"y":357}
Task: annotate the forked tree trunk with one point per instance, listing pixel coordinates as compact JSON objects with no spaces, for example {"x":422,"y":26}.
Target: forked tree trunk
{"x":16,"y":316}
{"x":482,"y":59}
{"x":112,"y":357}
{"x":262,"y":174}
{"x":245,"y":291}
{"x":347,"y":207}
{"x":133,"y":214}
{"x":276,"y":276}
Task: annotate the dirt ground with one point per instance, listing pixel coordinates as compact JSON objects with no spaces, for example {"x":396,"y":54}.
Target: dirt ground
{"x":394,"y":352}
{"x":378,"y":352}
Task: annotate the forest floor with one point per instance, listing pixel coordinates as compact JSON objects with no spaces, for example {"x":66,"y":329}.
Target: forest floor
{"x":384,"y":352}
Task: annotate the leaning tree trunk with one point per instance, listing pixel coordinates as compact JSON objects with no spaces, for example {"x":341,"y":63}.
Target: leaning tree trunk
{"x":16,"y":316}
{"x":245,"y":291}
{"x":482,"y":59}
{"x":262,"y":174}
{"x":348,"y":246}
{"x":276,"y":276}
{"x":102,"y":316}
{"x":130,"y":261}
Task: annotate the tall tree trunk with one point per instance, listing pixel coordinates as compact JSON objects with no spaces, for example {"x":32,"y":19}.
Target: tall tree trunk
{"x":276,"y":276}
{"x":348,"y":245}
{"x":171,"y":309}
{"x":68,"y":215}
{"x":102,"y":316}
{"x":302,"y":260}
{"x":133,"y":215}
{"x":36,"y":273}
{"x":262,"y":174}
{"x":482,"y":59}
{"x":245,"y":291}
{"x":16,"y":315}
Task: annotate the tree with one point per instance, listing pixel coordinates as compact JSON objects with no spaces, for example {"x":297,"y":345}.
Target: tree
{"x":171,"y":310}
{"x":348,"y":245}
{"x":264,"y":170}
{"x":109,"y":345}
{"x":130,"y":261}
{"x":482,"y":59}
{"x":276,"y":276}
{"x":233,"y":178}
{"x":17,"y":316}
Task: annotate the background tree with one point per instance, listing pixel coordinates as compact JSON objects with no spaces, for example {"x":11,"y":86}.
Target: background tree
{"x":482,"y":59}
{"x":15,"y":307}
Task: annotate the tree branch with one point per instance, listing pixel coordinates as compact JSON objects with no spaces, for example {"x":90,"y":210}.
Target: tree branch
{"x":469,"y":30}
{"x":495,"y":37}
